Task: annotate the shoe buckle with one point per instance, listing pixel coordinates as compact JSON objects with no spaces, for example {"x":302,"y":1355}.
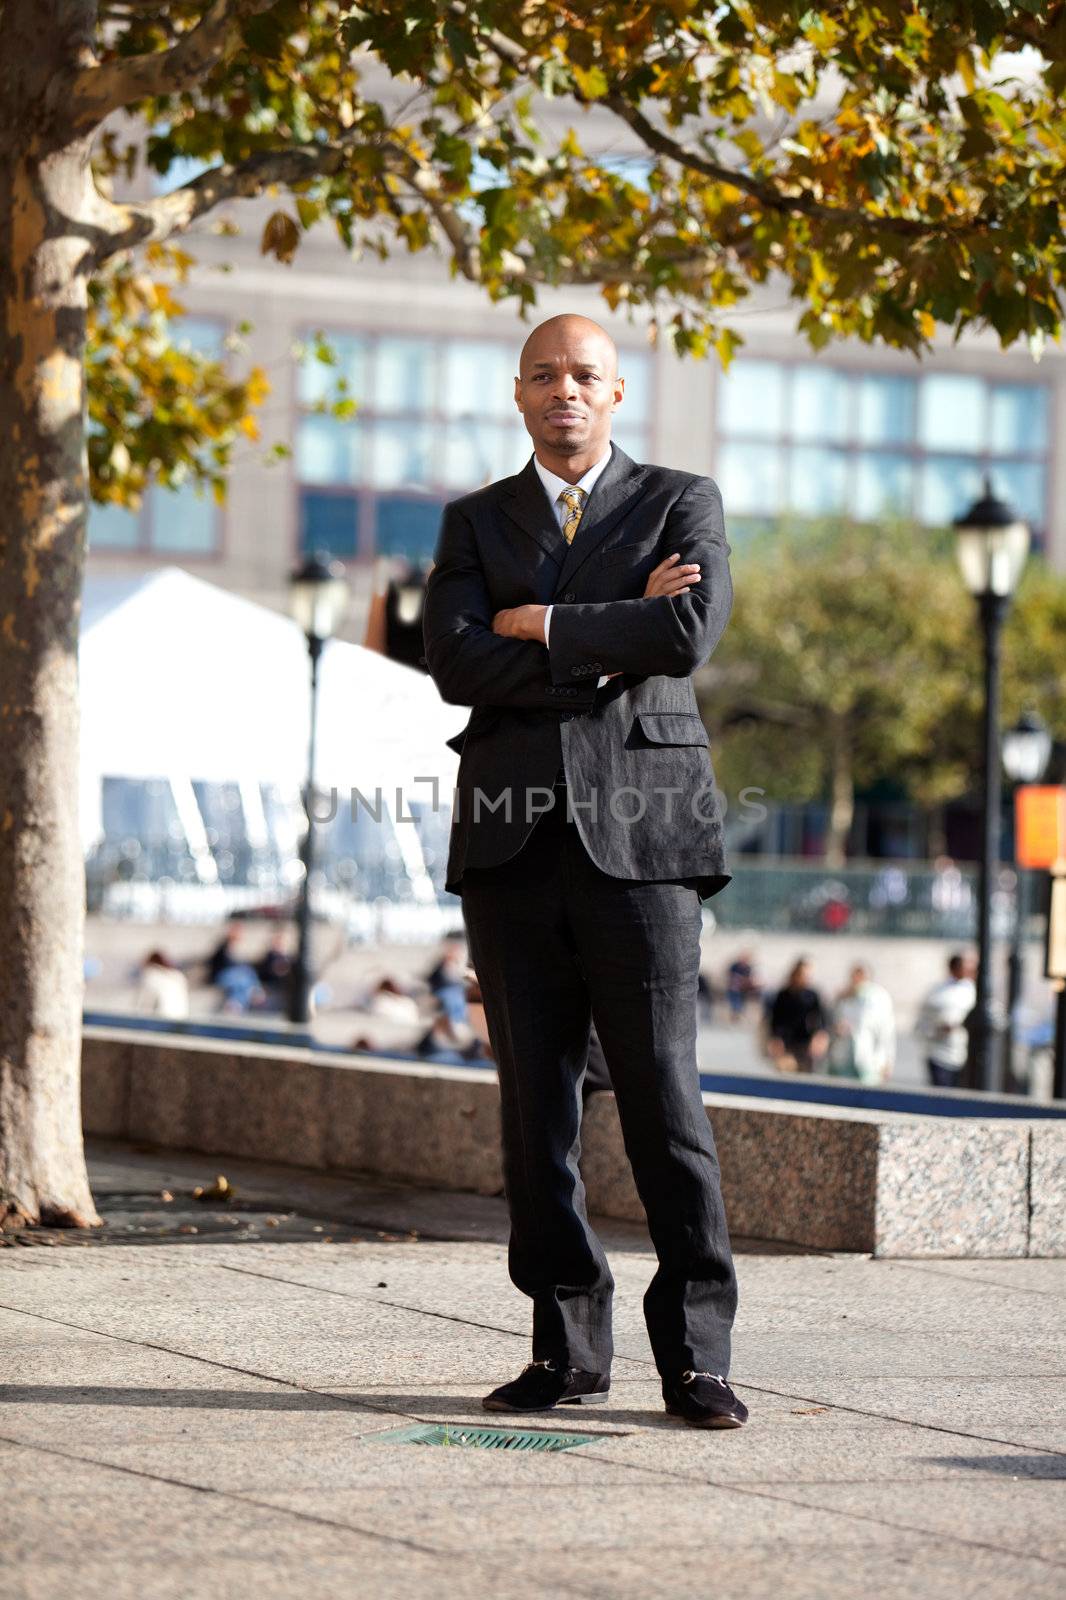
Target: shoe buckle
{"x":549,"y":1366}
{"x":690,"y":1376}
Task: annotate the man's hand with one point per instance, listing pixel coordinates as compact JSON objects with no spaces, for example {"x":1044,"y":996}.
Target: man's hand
{"x":520,"y":622}
{"x":669,"y":578}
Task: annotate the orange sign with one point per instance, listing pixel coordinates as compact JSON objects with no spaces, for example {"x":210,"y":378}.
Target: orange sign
{"x":1039,"y":824}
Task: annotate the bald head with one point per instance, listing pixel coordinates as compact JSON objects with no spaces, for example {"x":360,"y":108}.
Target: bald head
{"x":568,"y":331}
{"x":567,"y":390}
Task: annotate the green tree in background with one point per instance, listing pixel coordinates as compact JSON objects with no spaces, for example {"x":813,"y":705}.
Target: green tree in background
{"x":892,"y":164}
{"x":853,"y":655}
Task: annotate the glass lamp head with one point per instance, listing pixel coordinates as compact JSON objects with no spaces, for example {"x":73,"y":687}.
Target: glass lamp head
{"x":992,"y":544}
{"x":318,"y":595}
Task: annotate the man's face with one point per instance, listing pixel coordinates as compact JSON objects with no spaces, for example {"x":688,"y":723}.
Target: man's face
{"x":567,"y":389}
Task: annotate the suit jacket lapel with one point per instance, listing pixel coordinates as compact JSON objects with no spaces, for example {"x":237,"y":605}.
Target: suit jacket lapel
{"x":526,"y":503}
{"x":616,"y":490}
{"x":619,"y":486}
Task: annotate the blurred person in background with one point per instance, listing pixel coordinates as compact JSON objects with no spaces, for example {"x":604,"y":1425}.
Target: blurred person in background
{"x":741,"y":985}
{"x":232,"y":974}
{"x":391,"y":1000}
{"x":274,"y":971}
{"x":942,"y":1022}
{"x":162,"y":988}
{"x":863,"y":1041}
{"x":446,"y":978}
{"x":798,"y":1029}
{"x":225,"y":953}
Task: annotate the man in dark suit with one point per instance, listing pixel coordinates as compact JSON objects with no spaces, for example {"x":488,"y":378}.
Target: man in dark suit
{"x":569,"y":606}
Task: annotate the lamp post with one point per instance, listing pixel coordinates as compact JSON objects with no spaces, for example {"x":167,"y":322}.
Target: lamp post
{"x":992,"y":544}
{"x":1026,"y":753}
{"x":318,"y":598}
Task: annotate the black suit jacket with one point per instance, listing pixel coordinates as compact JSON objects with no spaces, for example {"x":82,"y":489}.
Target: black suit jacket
{"x":634,"y":752}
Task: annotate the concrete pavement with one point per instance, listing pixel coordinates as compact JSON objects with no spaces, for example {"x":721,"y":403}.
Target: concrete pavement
{"x":201,"y":1415}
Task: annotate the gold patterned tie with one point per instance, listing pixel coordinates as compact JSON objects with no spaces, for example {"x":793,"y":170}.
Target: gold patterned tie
{"x":574,"y":501}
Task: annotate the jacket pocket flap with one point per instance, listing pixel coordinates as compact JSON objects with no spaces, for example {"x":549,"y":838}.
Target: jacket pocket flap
{"x":672,"y":727}
{"x":632,"y":550}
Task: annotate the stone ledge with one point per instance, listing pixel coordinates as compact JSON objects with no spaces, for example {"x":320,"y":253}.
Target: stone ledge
{"x":816,"y":1177}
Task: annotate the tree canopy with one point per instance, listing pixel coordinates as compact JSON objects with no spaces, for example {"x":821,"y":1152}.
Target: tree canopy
{"x":852,"y":658}
{"x":899,"y":167}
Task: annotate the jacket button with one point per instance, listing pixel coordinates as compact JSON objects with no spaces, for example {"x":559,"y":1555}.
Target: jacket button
{"x":570,"y":595}
{"x":566,"y":716}
{"x":575,"y":672}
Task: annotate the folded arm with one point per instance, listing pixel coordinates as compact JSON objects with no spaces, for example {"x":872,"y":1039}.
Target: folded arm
{"x":670,"y":635}
{"x":469,"y":663}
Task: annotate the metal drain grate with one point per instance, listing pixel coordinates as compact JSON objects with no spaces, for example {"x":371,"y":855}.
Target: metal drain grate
{"x":483,"y":1438}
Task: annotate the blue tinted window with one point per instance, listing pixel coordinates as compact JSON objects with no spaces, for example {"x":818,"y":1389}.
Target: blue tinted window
{"x":402,"y":454}
{"x":1021,"y":483}
{"x":818,"y":481}
{"x":947,"y":485}
{"x":634,"y":441}
{"x":478,"y":380}
{"x":475,"y":453}
{"x":330,"y":449}
{"x":752,"y":399}
{"x":318,"y":380}
{"x":113,"y":528}
{"x":200,"y":334}
{"x":183,"y":520}
{"x":885,"y":409}
{"x":820,"y":405}
{"x":407,"y":527}
{"x":404,"y":374}
{"x":952,"y":412}
{"x":884,"y":485}
{"x":750,"y":478}
{"x":1019,"y":417}
{"x":329,"y":522}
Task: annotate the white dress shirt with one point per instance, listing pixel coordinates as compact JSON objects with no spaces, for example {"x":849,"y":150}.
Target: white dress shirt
{"x":553,"y":488}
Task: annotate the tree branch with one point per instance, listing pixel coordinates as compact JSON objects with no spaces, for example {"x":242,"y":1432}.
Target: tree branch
{"x":141,"y":222}
{"x":92,"y":93}
{"x":771,"y":198}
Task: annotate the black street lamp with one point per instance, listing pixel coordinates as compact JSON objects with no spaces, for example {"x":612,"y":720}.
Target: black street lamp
{"x":992,"y":544}
{"x":1026,"y":753}
{"x":318,"y":599}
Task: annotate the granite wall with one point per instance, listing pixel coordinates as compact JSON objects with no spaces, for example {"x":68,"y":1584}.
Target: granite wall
{"x":814,"y":1177}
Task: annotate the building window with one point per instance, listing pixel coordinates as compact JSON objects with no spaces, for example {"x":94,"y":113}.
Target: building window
{"x":173,"y":522}
{"x":815,"y":439}
{"x":435,"y":419}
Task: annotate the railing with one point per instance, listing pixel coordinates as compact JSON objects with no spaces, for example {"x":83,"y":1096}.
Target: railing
{"x":903,"y":898}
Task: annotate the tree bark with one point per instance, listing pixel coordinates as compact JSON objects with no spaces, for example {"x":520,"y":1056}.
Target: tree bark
{"x":841,"y":795}
{"x":45,"y":199}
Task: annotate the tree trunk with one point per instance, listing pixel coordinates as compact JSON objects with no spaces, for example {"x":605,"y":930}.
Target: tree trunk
{"x":936,"y":834}
{"x":841,"y":795}
{"x":45,"y":195}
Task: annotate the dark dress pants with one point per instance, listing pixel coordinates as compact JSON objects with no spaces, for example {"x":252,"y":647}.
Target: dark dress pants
{"x":556,"y":943}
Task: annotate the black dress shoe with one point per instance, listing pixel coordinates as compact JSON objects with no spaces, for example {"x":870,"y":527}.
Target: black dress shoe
{"x":542,"y":1385}
{"x":704,"y":1400}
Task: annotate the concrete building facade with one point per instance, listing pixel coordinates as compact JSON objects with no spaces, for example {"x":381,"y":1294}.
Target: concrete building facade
{"x":430,"y":362}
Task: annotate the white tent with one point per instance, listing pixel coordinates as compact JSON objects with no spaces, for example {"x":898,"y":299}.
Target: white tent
{"x":183,"y":681}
